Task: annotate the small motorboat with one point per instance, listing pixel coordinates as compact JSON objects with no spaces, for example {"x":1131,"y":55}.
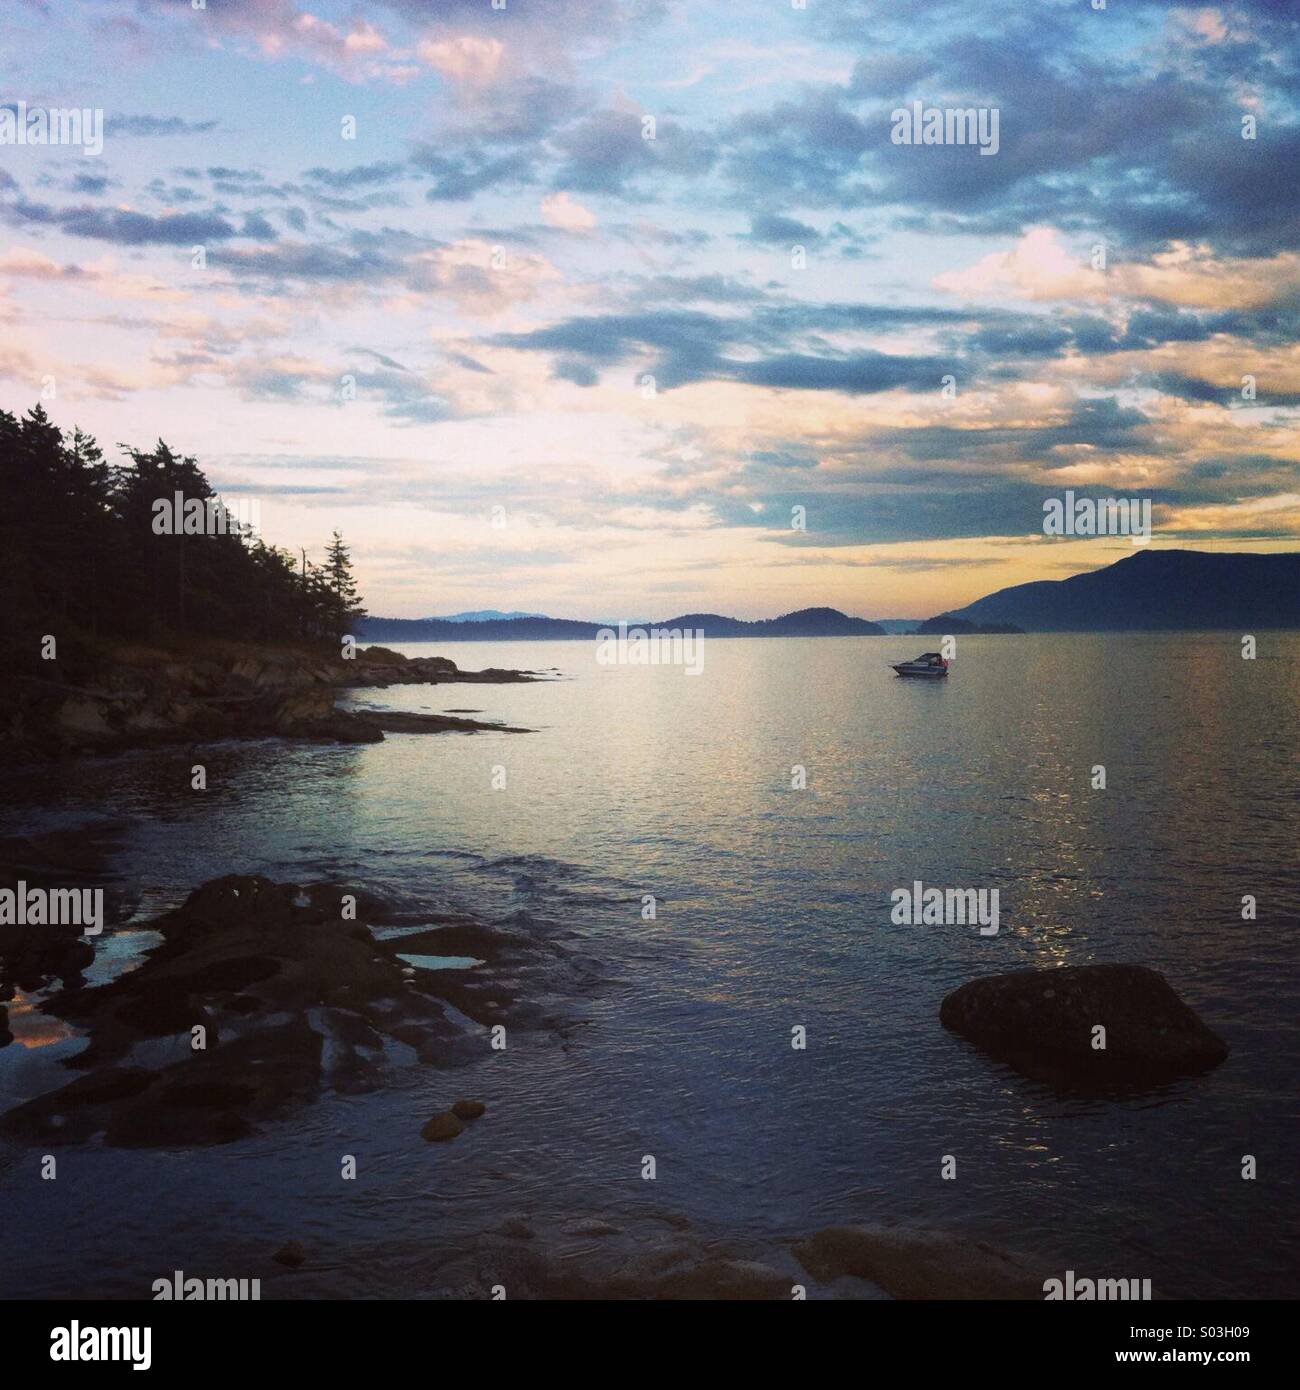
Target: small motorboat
{"x":929,"y":666}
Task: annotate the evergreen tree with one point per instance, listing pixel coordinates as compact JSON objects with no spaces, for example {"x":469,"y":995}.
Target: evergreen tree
{"x":342,"y":585}
{"x":81,"y":554}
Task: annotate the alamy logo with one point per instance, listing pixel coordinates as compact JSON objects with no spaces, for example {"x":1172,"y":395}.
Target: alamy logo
{"x":179,"y":1289}
{"x":41,"y":125}
{"x":77,"y":1343}
{"x":919,"y":906}
{"x":946,"y":125}
{"x":1105,"y":516}
{"x":179,"y":515}
{"x":656,"y":646}
{"x":21,"y":906}
{"x":1096,"y":1290}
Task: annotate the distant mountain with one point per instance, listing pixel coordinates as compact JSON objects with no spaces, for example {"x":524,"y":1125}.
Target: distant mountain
{"x":468,"y":630}
{"x":807,"y":622}
{"x":949,"y":624}
{"x":897,"y":625}
{"x":482,"y":615}
{"x":1155,"y":590}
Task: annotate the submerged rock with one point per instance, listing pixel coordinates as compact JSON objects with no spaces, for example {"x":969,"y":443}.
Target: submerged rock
{"x":441,"y":1127}
{"x":468,"y":1109}
{"x":291,"y":1254}
{"x":1043,"y":1023}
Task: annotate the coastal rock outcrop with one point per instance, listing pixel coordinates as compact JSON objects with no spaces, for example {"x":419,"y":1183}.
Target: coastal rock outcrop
{"x":130,"y":696}
{"x":270,"y":994}
{"x":1084,"y":1024}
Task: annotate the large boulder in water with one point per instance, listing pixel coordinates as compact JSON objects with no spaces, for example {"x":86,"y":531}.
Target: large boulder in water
{"x":1042,"y":1022}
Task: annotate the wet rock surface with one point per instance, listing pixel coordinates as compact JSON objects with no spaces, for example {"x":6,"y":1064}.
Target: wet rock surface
{"x":1043,"y":1022}
{"x":291,"y":994}
{"x":31,"y":956}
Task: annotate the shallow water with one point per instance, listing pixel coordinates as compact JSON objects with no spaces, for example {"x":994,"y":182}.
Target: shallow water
{"x":772,"y":911}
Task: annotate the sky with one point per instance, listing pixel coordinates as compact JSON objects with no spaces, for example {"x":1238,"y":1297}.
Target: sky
{"x":602,"y":307}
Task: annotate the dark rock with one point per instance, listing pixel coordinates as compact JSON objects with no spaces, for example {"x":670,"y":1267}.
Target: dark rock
{"x":468,"y":1109}
{"x":127,"y":697}
{"x":206,"y":1095}
{"x":441,"y":1127}
{"x":152,"y":1128}
{"x":158,"y":1016}
{"x":455,"y":939}
{"x":722,"y":1278}
{"x":292,"y":1254}
{"x":233,"y":973}
{"x":293,"y":997}
{"x":400,"y":722}
{"x":73,"y":1112}
{"x":917,"y":1264}
{"x":1041,"y":1023}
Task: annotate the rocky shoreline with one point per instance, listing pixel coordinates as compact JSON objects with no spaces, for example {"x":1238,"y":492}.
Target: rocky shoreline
{"x":270,"y":994}
{"x":137,"y":696}
{"x":297,"y":990}
{"x":662,"y":1256}
{"x":261,"y":998}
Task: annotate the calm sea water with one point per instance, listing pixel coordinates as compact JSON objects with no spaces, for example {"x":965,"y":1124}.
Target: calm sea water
{"x":773,"y":911}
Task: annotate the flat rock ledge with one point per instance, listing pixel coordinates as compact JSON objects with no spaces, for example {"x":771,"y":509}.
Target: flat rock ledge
{"x":134,"y":696}
{"x":1043,"y":1024}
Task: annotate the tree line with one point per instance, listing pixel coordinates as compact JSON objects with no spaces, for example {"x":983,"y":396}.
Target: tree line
{"x":91,"y":549}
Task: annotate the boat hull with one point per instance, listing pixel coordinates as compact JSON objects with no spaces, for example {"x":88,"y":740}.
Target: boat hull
{"x":922,"y":673}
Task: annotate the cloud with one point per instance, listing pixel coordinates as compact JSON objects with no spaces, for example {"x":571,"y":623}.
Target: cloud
{"x":460,"y":176}
{"x":357,"y":176}
{"x":33,"y":265}
{"x":772,"y":229}
{"x":560,"y":210}
{"x":129,"y":228}
{"x":1039,"y":267}
{"x":689,"y":346}
{"x":153,"y":126}
{"x":611,"y":150}
{"x":465,"y":58}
